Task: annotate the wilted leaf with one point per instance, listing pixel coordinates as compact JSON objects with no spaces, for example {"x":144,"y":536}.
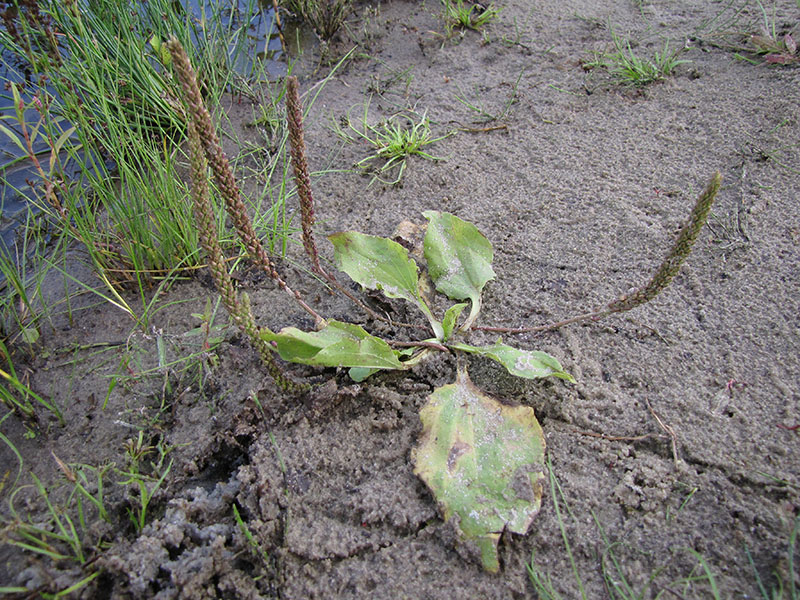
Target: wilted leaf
{"x":459,"y":259}
{"x":380,"y":264}
{"x":531,"y":364}
{"x":337,"y":345}
{"x":788,"y":41}
{"x":780,"y":59}
{"x":30,"y":335}
{"x":765,"y":43}
{"x":483,"y":461}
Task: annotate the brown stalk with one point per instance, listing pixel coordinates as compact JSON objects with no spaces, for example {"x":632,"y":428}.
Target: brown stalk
{"x":294,"y":118}
{"x":209,"y":239}
{"x":294,"y":113}
{"x":279,"y":25}
{"x":223,"y":174}
{"x":668,"y":430}
{"x":204,"y":149}
{"x":661,"y":278}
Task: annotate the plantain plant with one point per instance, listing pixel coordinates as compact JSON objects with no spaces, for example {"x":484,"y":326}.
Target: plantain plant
{"x":482,"y":460}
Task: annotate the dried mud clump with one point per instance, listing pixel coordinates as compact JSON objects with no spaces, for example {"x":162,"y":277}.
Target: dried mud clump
{"x":196,"y":550}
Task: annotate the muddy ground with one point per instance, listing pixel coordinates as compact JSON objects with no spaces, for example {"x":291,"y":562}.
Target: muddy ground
{"x":679,"y":439}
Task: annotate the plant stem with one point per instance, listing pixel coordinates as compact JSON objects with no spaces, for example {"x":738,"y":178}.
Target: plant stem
{"x":540,"y":328}
{"x":294,"y":118}
{"x":279,"y":25}
{"x":677,"y":255}
{"x":294,"y":115}
{"x":434,"y":345}
{"x":240,"y":311}
{"x":49,"y":187}
{"x":223,"y":173}
{"x":661,"y":278}
{"x":202,"y":151}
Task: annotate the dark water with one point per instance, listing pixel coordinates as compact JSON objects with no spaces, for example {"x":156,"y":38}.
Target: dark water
{"x":17,"y":172}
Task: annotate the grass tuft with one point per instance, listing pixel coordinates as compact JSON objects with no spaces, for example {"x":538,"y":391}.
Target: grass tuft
{"x":393,"y":142}
{"x":626,"y":68}
{"x":325,"y":17}
{"x":464,"y":14}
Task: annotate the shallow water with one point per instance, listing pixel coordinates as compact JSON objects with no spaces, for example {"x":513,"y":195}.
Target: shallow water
{"x":17,"y":172}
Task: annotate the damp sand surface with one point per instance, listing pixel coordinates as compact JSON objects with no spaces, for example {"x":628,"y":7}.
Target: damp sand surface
{"x":679,"y":438}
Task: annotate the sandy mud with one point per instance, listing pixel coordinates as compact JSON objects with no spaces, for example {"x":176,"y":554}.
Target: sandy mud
{"x":679,"y":439}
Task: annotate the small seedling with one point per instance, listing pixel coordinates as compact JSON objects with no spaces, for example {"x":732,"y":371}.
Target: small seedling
{"x":670,"y":516}
{"x":18,"y":396}
{"x":776,"y":48}
{"x":396,"y":81}
{"x":628,"y":69}
{"x":764,"y":42}
{"x":485,"y":114}
{"x":255,"y":547}
{"x":393,"y":141}
{"x":145,"y":485}
{"x":210,"y":333}
{"x":464,"y":14}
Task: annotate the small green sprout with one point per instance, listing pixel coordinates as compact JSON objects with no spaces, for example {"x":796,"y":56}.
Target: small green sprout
{"x":628,"y":69}
{"x":468,"y":15}
{"x":393,"y":142}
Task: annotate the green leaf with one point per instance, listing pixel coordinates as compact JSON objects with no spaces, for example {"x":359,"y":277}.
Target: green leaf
{"x":13,"y":137}
{"x":484,"y":463}
{"x":19,"y":106}
{"x":459,"y":259}
{"x":58,"y":146}
{"x":160,"y":50}
{"x":450,"y":318}
{"x":359,"y":374}
{"x":337,"y":345}
{"x":377,"y":263}
{"x":531,"y":364}
{"x":381,"y":264}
